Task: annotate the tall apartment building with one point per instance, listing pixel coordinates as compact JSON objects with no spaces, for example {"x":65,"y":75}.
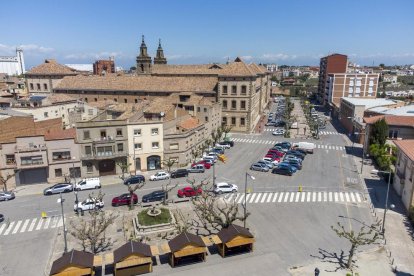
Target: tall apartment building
{"x":404,"y":172}
{"x":350,"y":85}
{"x":335,"y":63}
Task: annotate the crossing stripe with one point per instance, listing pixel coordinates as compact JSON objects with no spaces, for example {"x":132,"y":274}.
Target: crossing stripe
{"x":341,"y":196}
{"x":60,"y":223}
{"x":269,"y":197}
{"x":54,"y":222}
{"x":281,"y":197}
{"x":24,"y":225}
{"x":336,"y":196}
{"x":8,"y":229}
{"x":292,"y":195}
{"x":248,"y":197}
{"x":319,"y":197}
{"x":17,"y":227}
{"x":358,"y":198}
{"x":286,"y":197}
{"x":32,"y":225}
{"x":39,"y":225}
{"x":325,"y":196}
{"x":47,"y":222}
{"x":275,"y":197}
{"x":258,"y":198}
{"x":240,"y":199}
{"x":297,"y":197}
{"x":313,"y":197}
{"x":252,"y":198}
{"x":308,"y":196}
{"x":330,"y":196}
{"x":2,"y":228}
{"x":352,"y":197}
{"x":303,"y":197}
{"x":347,"y":197}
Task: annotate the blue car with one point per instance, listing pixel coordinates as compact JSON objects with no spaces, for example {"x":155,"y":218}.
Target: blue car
{"x":287,"y":165}
{"x":295,"y":163}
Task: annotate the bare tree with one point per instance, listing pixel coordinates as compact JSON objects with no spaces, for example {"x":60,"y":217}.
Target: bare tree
{"x":124,"y":166}
{"x":366,"y":235}
{"x":5,"y":179}
{"x":131,"y":189}
{"x":195,"y":153}
{"x":226,"y":130}
{"x":91,"y":232}
{"x":168,"y":187}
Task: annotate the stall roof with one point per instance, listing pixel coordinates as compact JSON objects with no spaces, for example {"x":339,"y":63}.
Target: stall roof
{"x":130,"y":248}
{"x":184,"y":239}
{"x":74,"y":257}
{"x":227,"y":234}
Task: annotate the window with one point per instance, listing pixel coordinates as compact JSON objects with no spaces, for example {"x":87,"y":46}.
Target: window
{"x":32,"y":160}
{"x":96,"y":99}
{"x":154,"y":131}
{"x":137,"y":132}
{"x":61,"y":155}
{"x":233,"y":121}
{"x":205,"y":109}
{"x":119,"y":132}
{"x":174,"y":146}
{"x":45,"y":114}
{"x":371,"y":83}
{"x":10,"y":159}
{"x":242,"y":121}
{"x":224,"y":104}
{"x":89,"y":167}
{"x":224,"y":90}
{"x":358,"y":83}
{"x":88,"y":150}
{"x":198,"y":109}
{"x":101,"y":151}
{"x":58,"y":172}
{"x":115,"y":100}
{"x":120,"y":147}
{"x":103,"y":133}
{"x":90,"y":111}
{"x":234,"y":90}
{"x":155,"y":145}
{"x":233,"y":105}
{"x":370,"y":91}
{"x":45,"y":86}
{"x":86,"y":135}
{"x":125,"y":101}
{"x":224,"y":121}
{"x":206,"y":119}
{"x":243,"y":105}
{"x":137,"y":146}
{"x":357,"y":90}
{"x":136,"y":100}
{"x":351,"y":90}
{"x":243,"y":90}
{"x":393,"y":134}
{"x":31,"y":86}
{"x":38,"y":86}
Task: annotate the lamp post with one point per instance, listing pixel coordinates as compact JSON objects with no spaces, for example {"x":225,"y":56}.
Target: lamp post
{"x":74,"y":180}
{"x":386,"y":197}
{"x":245,"y":196}
{"x":61,"y":200}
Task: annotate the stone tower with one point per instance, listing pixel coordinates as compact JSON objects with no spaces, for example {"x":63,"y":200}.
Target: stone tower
{"x":143,"y":60}
{"x":159,"y":58}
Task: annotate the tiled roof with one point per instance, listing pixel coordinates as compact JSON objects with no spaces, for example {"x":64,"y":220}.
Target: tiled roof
{"x":130,"y":248}
{"x":229,"y":233}
{"x":407,"y":147}
{"x":63,"y":134}
{"x":159,"y":105}
{"x":392,"y":120}
{"x":76,"y":258}
{"x":51,"y":67}
{"x":189,"y":123}
{"x":184,"y":239}
{"x":138,"y":83}
{"x":56,"y":98}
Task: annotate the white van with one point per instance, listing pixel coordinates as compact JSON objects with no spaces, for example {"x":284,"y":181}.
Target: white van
{"x":88,"y":183}
{"x":294,"y":125}
{"x":306,"y":146}
{"x":211,"y":158}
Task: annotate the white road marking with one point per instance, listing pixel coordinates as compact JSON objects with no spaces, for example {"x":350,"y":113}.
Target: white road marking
{"x":286,"y":197}
{"x":60,"y":223}
{"x":26,"y":222}
{"x":281,"y":197}
{"x":17,"y":227}
{"x":9,"y":228}
{"x":347,"y":197}
{"x":252,"y":198}
{"x":341,"y":196}
{"x":292,"y":195}
{"x":358,"y":198}
{"x":297,"y":197}
{"x":303,"y":197}
{"x":319,"y":197}
{"x":269,"y":197}
{"x":352,"y":197}
{"x":2,"y":228}
{"x":32,"y":225}
{"x":336,"y":196}
{"x":313,"y":197}
{"x":258,"y":198}
{"x":325,"y":196}
{"x":330,"y":196}
{"x":47,"y":222}
{"x":54,"y":222}
{"x":308,"y":196}
{"x":248,"y":197}
{"x":240,"y":199}
{"x":275,"y":197}
{"x":39,"y":225}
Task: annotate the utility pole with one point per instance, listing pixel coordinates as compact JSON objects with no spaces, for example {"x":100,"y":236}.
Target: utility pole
{"x":64,"y":225}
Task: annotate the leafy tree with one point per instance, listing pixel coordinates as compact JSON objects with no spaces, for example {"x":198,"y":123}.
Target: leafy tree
{"x":382,"y":65}
{"x":133,"y":68}
{"x":5,"y":179}
{"x":365,"y":236}
{"x":124,"y":166}
{"x":226,"y":130}
{"x":379,"y":132}
{"x":131,"y":189}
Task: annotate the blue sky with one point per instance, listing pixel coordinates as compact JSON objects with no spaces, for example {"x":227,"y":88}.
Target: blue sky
{"x":194,"y":31}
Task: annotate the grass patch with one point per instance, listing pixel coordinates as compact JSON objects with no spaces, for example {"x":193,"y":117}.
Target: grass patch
{"x":145,"y":220}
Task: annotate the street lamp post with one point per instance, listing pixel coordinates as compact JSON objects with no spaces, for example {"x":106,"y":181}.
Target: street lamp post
{"x":245,"y":196}
{"x":74,"y":180}
{"x":386,"y":198}
{"x":61,"y":200}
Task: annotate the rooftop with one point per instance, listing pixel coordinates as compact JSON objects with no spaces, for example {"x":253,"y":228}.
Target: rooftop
{"x":77,"y":258}
{"x":407,"y":147}
{"x":189,"y":123}
{"x":51,"y":67}
{"x":63,"y":134}
{"x":369,"y":103}
{"x":392,"y":120}
{"x":407,"y":110}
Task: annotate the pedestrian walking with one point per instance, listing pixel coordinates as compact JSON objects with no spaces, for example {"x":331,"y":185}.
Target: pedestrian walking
{"x":316,"y":271}
{"x":304,"y":131}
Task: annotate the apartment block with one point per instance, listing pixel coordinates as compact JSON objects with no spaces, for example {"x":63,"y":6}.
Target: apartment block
{"x":335,"y":63}
{"x":404,"y":172}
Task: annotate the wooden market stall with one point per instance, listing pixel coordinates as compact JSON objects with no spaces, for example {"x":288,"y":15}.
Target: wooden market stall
{"x":233,"y":239}
{"x":185,"y":246}
{"x":74,"y":263}
{"x":133,"y":258}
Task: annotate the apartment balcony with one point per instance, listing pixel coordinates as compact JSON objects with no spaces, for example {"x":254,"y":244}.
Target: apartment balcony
{"x":104,"y":155}
{"x":104,"y":140}
{"x":31,"y":148}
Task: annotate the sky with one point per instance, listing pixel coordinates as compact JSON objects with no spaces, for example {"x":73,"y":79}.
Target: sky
{"x":291,"y":32}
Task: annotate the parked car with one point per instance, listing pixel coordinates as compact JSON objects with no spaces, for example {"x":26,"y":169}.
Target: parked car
{"x":287,"y":165}
{"x":273,"y":161}
{"x":224,"y":187}
{"x":270,"y":123}
{"x":278,"y":132}
{"x":283,"y":170}
{"x":304,"y":146}
{"x":88,"y":204}
{"x":231,"y":143}
{"x":1,"y":217}
{"x":296,"y":153}
{"x":295,"y":163}
{"x":259,"y":167}
{"x":207,"y":165}
{"x":292,"y":157}
{"x":159,"y":176}
{"x":179,"y":173}
{"x":134,"y":179}
{"x":266,"y":163}
{"x":197,"y":169}
{"x":224,"y":145}
{"x":272,"y":156}
{"x":58,"y":188}
{"x":304,"y":152}
{"x":154,"y":196}
{"x":189,"y":192}
{"x":279,"y":148}
{"x":88,"y":183}
{"x":124,"y":199}
{"x":278,"y":153}
{"x":219,"y":150}
{"x":286,"y":145}
{"x":212,"y":159}
{"x":5,"y":196}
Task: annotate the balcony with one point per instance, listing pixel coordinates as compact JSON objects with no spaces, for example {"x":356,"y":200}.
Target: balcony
{"x":30,"y":148}
{"x":401,"y":175}
{"x":104,"y":140}
{"x":103,"y":155}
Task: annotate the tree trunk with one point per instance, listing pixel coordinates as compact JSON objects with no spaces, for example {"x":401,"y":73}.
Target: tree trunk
{"x":351,"y":255}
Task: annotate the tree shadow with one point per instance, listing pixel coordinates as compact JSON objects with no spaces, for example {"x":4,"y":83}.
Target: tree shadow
{"x":332,"y":257}
{"x":402,"y":273}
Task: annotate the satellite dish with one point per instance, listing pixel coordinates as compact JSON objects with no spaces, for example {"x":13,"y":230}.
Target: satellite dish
{"x":162,"y":114}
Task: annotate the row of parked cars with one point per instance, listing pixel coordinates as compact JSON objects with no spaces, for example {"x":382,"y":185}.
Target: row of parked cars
{"x":282,"y":158}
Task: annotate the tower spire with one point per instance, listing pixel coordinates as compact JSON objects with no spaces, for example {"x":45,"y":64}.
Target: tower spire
{"x":159,"y":58}
{"x":143,"y":60}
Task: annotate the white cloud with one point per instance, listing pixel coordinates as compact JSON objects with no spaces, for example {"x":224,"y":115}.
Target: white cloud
{"x":98,"y":55}
{"x":279,"y":56}
{"x":27,"y":48}
{"x":178,"y":57}
{"x":247,"y":58}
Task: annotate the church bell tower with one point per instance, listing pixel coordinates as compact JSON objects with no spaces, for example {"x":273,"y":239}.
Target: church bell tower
{"x":143,"y":60}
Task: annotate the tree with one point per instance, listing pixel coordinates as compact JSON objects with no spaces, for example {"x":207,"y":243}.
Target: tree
{"x":379,"y":132}
{"x":131,"y":189}
{"x":5,"y":179}
{"x":168,"y":187}
{"x":382,"y":65}
{"x":226,"y":130}
{"x":366,"y":235}
{"x":124,"y":166}
{"x":133,"y":68}
{"x":195,"y":153}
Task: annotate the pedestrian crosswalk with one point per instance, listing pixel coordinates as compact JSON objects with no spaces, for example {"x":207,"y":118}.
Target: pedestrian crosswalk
{"x":330,"y":147}
{"x":272,"y":129}
{"x":296,"y":197}
{"x":29,"y":225}
{"x":323,"y":132}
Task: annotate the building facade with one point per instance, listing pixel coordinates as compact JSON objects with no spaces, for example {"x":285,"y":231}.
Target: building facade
{"x":13,"y":65}
{"x":335,"y":63}
{"x":102,"y":67}
{"x":404,"y":172}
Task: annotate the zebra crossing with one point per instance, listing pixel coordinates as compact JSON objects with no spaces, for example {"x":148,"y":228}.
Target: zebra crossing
{"x":29,"y":225}
{"x":329,"y":133}
{"x":331,"y":147}
{"x":296,"y":197}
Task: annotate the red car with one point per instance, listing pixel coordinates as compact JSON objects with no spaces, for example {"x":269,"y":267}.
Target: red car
{"x":189,"y":192}
{"x":277,"y":153}
{"x":272,"y":155}
{"x":124,"y":199}
{"x":204,"y":163}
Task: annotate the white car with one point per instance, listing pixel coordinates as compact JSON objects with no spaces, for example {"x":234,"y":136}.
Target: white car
{"x":88,"y":204}
{"x":279,"y":132}
{"x":224,"y":187}
{"x":223,"y":146}
{"x":160,"y":176}
{"x":274,"y":162}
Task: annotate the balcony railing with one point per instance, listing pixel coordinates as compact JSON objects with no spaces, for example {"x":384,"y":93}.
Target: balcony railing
{"x":103,"y":140}
{"x":29,"y":148}
{"x":103,"y":155}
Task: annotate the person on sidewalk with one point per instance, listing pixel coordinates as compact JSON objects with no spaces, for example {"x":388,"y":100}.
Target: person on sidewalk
{"x":304,"y":131}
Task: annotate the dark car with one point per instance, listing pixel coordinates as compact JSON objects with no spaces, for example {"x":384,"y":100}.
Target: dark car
{"x":286,"y":145}
{"x":124,"y":199}
{"x":1,"y":217}
{"x":218,"y":150}
{"x":155,"y":196}
{"x":134,"y":179}
{"x":296,"y":153}
{"x":294,"y":163}
{"x":58,"y":188}
{"x":283,"y":170}
{"x":179,"y":173}
{"x":231,"y":143}
{"x":301,"y":151}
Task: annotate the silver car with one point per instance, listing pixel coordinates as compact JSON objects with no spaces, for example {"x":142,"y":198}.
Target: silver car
{"x":4,"y":196}
{"x":259,"y":167}
{"x":58,"y":188}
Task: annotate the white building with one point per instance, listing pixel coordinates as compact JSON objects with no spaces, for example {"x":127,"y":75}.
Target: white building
{"x":13,"y":65}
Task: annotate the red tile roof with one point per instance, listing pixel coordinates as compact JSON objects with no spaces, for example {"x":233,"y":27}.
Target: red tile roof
{"x":61,"y":134}
{"x":407,"y":147}
{"x":392,"y":120}
{"x":189,"y":123}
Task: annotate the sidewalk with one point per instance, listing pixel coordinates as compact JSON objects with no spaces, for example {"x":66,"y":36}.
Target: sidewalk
{"x":303,"y":130}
